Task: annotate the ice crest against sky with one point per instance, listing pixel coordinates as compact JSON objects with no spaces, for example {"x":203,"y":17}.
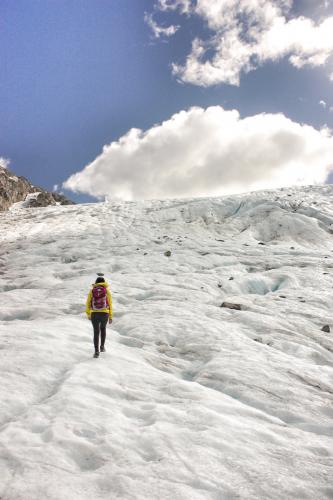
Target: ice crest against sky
{"x":191,"y":400}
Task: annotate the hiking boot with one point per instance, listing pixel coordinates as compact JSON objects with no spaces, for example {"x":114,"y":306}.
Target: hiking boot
{"x":102,"y":348}
{"x":96,"y":355}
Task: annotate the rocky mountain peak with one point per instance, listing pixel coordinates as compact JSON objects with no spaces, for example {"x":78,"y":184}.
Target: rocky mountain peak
{"x":17,"y":189}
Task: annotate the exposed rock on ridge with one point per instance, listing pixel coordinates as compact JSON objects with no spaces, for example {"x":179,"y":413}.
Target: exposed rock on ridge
{"x":14,"y":189}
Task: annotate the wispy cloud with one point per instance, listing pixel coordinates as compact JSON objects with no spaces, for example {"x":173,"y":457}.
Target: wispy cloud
{"x":184,"y":6}
{"x":4,"y":162}
{"x":159,"y":30}
{"x":244,"y":35}
{"x":208,"y":152}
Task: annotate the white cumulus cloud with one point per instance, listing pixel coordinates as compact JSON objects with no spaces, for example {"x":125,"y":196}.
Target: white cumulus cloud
{"x":210,"y":151}
{"x":244,"y":35}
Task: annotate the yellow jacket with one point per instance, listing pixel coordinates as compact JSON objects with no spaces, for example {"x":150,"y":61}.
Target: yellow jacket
{"x":89,"y":309}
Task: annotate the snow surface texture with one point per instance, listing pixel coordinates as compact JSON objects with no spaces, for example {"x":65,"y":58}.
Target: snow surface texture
{"x":191,"y":401}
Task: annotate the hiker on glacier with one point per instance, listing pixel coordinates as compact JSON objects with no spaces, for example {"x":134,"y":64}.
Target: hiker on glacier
{"x":99,"y":311}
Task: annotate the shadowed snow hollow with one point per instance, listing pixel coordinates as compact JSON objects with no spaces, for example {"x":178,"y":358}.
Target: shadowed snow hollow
{"x":191,"y":400}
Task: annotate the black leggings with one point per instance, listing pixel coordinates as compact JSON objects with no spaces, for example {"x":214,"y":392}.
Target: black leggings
{"x":99,"y":321}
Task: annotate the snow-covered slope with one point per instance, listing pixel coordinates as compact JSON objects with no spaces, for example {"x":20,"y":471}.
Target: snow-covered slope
{"x":191,"y":400}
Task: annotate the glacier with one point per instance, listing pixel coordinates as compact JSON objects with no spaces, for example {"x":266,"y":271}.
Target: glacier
{"x":192,"y":400}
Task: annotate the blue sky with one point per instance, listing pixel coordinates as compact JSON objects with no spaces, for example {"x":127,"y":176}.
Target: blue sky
{"x":78,"y":75}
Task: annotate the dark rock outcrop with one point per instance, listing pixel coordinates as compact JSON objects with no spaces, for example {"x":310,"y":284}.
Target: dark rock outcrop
{"x":231,"y":305}
{"x":14,"y":189}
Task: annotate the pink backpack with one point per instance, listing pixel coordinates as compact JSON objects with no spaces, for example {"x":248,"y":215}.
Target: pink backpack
{"x":99,"y":298}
